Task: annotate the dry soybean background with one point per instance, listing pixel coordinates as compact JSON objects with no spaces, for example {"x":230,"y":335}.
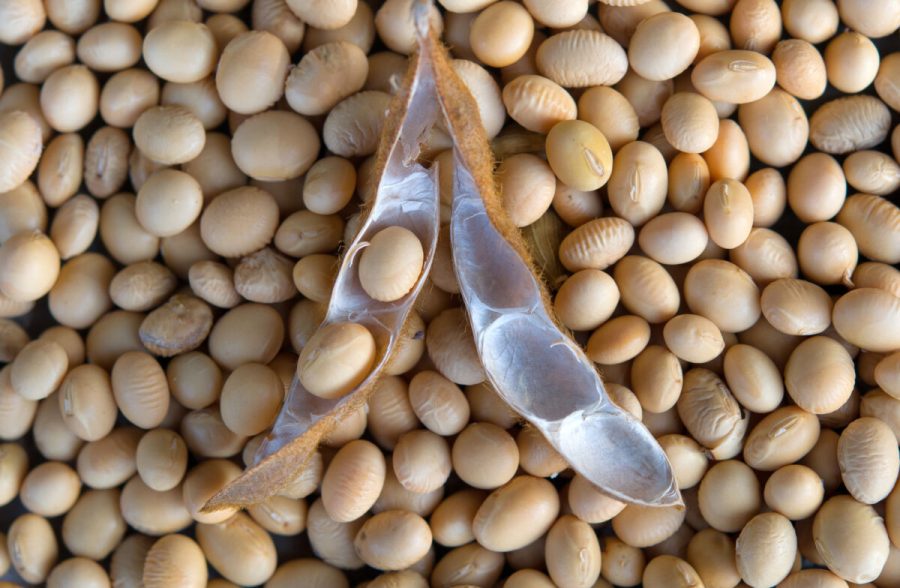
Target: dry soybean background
{"x":708,"y":188}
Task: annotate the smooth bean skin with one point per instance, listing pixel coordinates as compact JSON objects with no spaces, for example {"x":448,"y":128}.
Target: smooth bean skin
{"x":838,"y":529}
{"x":689,"y":122}
{"x":572,"y":553}
{"x":734,"y":76}
{"x":393,"y":540}
{"x":637,"y":185}
{"x":499,"y":524}
{"x":781,"y":438}
{"x":663,"y":46}
{"x":579,"y":155}
{"x":857,"y":312}
{"x":776,"y":127}
{"x":795,"y":491}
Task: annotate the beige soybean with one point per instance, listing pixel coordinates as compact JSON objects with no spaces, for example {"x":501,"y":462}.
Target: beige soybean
{"x":248,"y":332}
{"x":765,"y":549}
{"x":69,"y":339}
{"x":94,"y":527}
{"x":29,"y":266}
{"x":200,"y":97}
{"x":180,"y":51}
{"x":329,"y":185}
{"x":689,"y":459}
{"x":643,"y":526}
{"x":536,"y":456}
{"x":586,"y":299}
{"x":314,"y":276}
{"x":421,"y":461}
{"x":782,"y":437}
{"x":669,"y":570}
{"x":734,"y":76}
{"x":886,"y":82}
{"x":800,"y":68}
{"x":390,"y":265}
{"x":753,"y":378}
{"x":250,"y":399}
{"x":795,"y":491}
{"x":140,"y":388}
{"x":582,"y":58}
{"x":766,"y":256}
{"x":110,"y":461}
{"x":105,"y":161}
{"x":572,"y":553}
{"x":239,"y":549}
{"x":42,"y":54}
{"x":755,"y":25}
{"x":718,"y":276}
{"x":142,"y":286}
{"x":690,"y":122}
{"x":38,"y":369}
{"x":251,"y":72}
{"x":394,"y":496}
{"x":816,"y":188}
{"x":127,"y":562}
{"x":656,"y":378}
{"x":596,"y":244}
{"x":26,"y":97}
{"x":179,"y":325}
{"x":393,"y":25}
{"x":728,"y":213}
{"x":712,"y":554}
{"x":75,"y":226}
{"x":168,"y":202}
{"x":32,"y":547}
{"x":353,"y":127}
{"x":110,"y":46}
{"x":305,"y":232}
{"x":618,"y":340}
{"x":887,"y":374}
{"x":527,"y":187}
{"x":12,"y":339}
{"x":60,"y":169}
{"x":264,"y":276}
{"x":224,"y":224}
{"x":393,"y":540}
{"x":53,"y":438}
{"x":280,"y":515}
{"x":709,"y":411}
{"x":275,"y":145}
{"x":81,"y":293}
{"x":22,"y":209}
{"x":390,"y":409}
{"x":485,"y":456}
{"x":622,"y":564}
{"x":50,"y":489}
{"x":851,"y":61}
{"x":856,"y":313}
{"x":360,"y":30}
{"x":86,"y":402}
{"x":537,"y":103}
{"x":851,"y":539}
{"x":79,"y":572}
{"x":169,"y":134}
{"x":161,"y":459}
{"x":693,"y":338}
{"x":70,"y":98}
{"x":336,"y":359}
{"x":325,"y":76}
{"x":174,"y":560}
{"x":202,"y":482}
{"x":126,"y":95}
{"x":353,"y":481}
{"x":714,"y":36}
{"x":637,"y":185}
{"x":207,"y":436}
{"x":516,"y":514}
{"x":768,"y":191}
{"x":873,"y":221}
{"x":872,"y":172}
{"x":663,"y":46}
{"x":868,"y":459}
{"x":776,"y":127}
{"x":796,"y":307}
{"x":589,"y":504}
{"x":688,"y":181}
{"x":827,"y":253}
{"x":451,"y":347}
{"x":333,"y":541}
{"x":501,"y":33}
{"x":811,"y":20}
{"x":849,"y":124}
{"x":317,"y":573}
{"x":112,"y":335}
{"x":729,"y":496}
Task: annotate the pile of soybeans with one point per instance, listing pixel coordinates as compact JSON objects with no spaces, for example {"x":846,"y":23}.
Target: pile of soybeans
{"x":709,"y":189}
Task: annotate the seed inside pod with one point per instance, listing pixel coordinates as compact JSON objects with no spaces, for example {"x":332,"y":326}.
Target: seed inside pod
{"x":391,"y":264}
{"x":336,"y":359}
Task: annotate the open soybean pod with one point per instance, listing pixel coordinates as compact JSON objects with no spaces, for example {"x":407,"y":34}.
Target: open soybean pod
{"x":406,"y":195}
{"x":534,"y":366}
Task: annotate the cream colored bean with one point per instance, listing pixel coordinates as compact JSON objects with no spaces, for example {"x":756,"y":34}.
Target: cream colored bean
{"x":501,"y":523}
{"x":251,"y":72}
{"x":753,"y":378}
{"x":42,"y":55}
{"x":796,"y":307}
{"x":501,"y":34}
{"x":669,"y":570}
{"x":795,"y":491}
{"x":207,"y":436}
{"x":714,"y":275}
{"x":573,"y":553}
{"x":161,"y":459}
{"x":348,"y":345}
{"x":86,"y":402}
{"x":140,"y":388}
{"x":586,"y":300}
{"x":776,"y":127}
{"x":75,"y":225}
{"x":32,"y":547}
{"x":168,"y":202}
{"x":673,"y":238}
{"x":142,"y":286}
{"x":390,"y":409}
{"x":579,"y":155}
{"x":768,"y":191}
{"x":304,"y":233}
{"x":887,"y":374}
{"x":486,"y":92}
{"x":126,"y":95}
{"x":248,"y":332}
{"x":868,"y":459}
{"x":712,"y":554}
{"x":329,"y":185}
{"x":110,"y":46}
{"x":294,"y":146}
{"x":729,"y":496}
{"x":709,"y":411}
{"x":53,"y":438}
{"x":872,"y":220}
{"x":38,"y":369}
{"x":816,"y":188}
{"x":393,"y":540}
{"x":438,"y":403}
{"x":849,"y":124}
{"x":839,"y":528}
{"x":29,"y":266}
{"x":251,"y":397}
{"x":642,"y":526}
{"x":765,"y":549}
{"x":78,"y":571}
{"x":174,"y":559}
{"x":728,"y":213}
{"x":421,"y":461}
{"x":110,"y":461}
{"x":656,"y":378}
{"x":169,"y":134}
{"x":353,"y":127}
{"x":887,"y":82}
{"x":94,"y":527}
{"x":527,"y":187}
{"x":50,"y":489}
{"x":611,"y":112}
{"x":827,"y":253}
{"x":353,"y":481}
{"x":755,"y":25}
{"x":127,"y":563}
{"x":200,"y":97}
{"x":180,"y":51}
{"x":239,"y":549}
{"x":469,"y":563}
{"x":485,"y":456}
{"x":637,"y":185}
{"x":872,"y":172}
{"x":811,"y":20}
{"x":395,"y":497}
{"x":537,"y":103}
{"x":689,"y":459}
{"x":688,"y":181}
{"x":647,"y":290}
{"x":663,"y":46}
{"x":390,"y":266}
{"x":623,"y":564}
{"x":317,"y":573}
{"x":265,"y":276}
{"x":224,"y":226}
{"x":693,"y":338}
{"x":22,"y":209}
{"x":851,"y":61}
{"x":60,"y":169}
{"x":202,"y":482}
{"x":766,"y":256}
{"x":452,"y":349}
{"x":800,"y":68}
{"x":81,"y":293}
{"x":105,"y":161}
{"x":536,"y":456}
{"x":564,"y":58}
{"x":618,"y":340}
{"x":690,"y":122}
{"x":781,"y":438}
{"x":70,"y":97}
{"x":12,"y":339}
{"x":734,"y":76}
